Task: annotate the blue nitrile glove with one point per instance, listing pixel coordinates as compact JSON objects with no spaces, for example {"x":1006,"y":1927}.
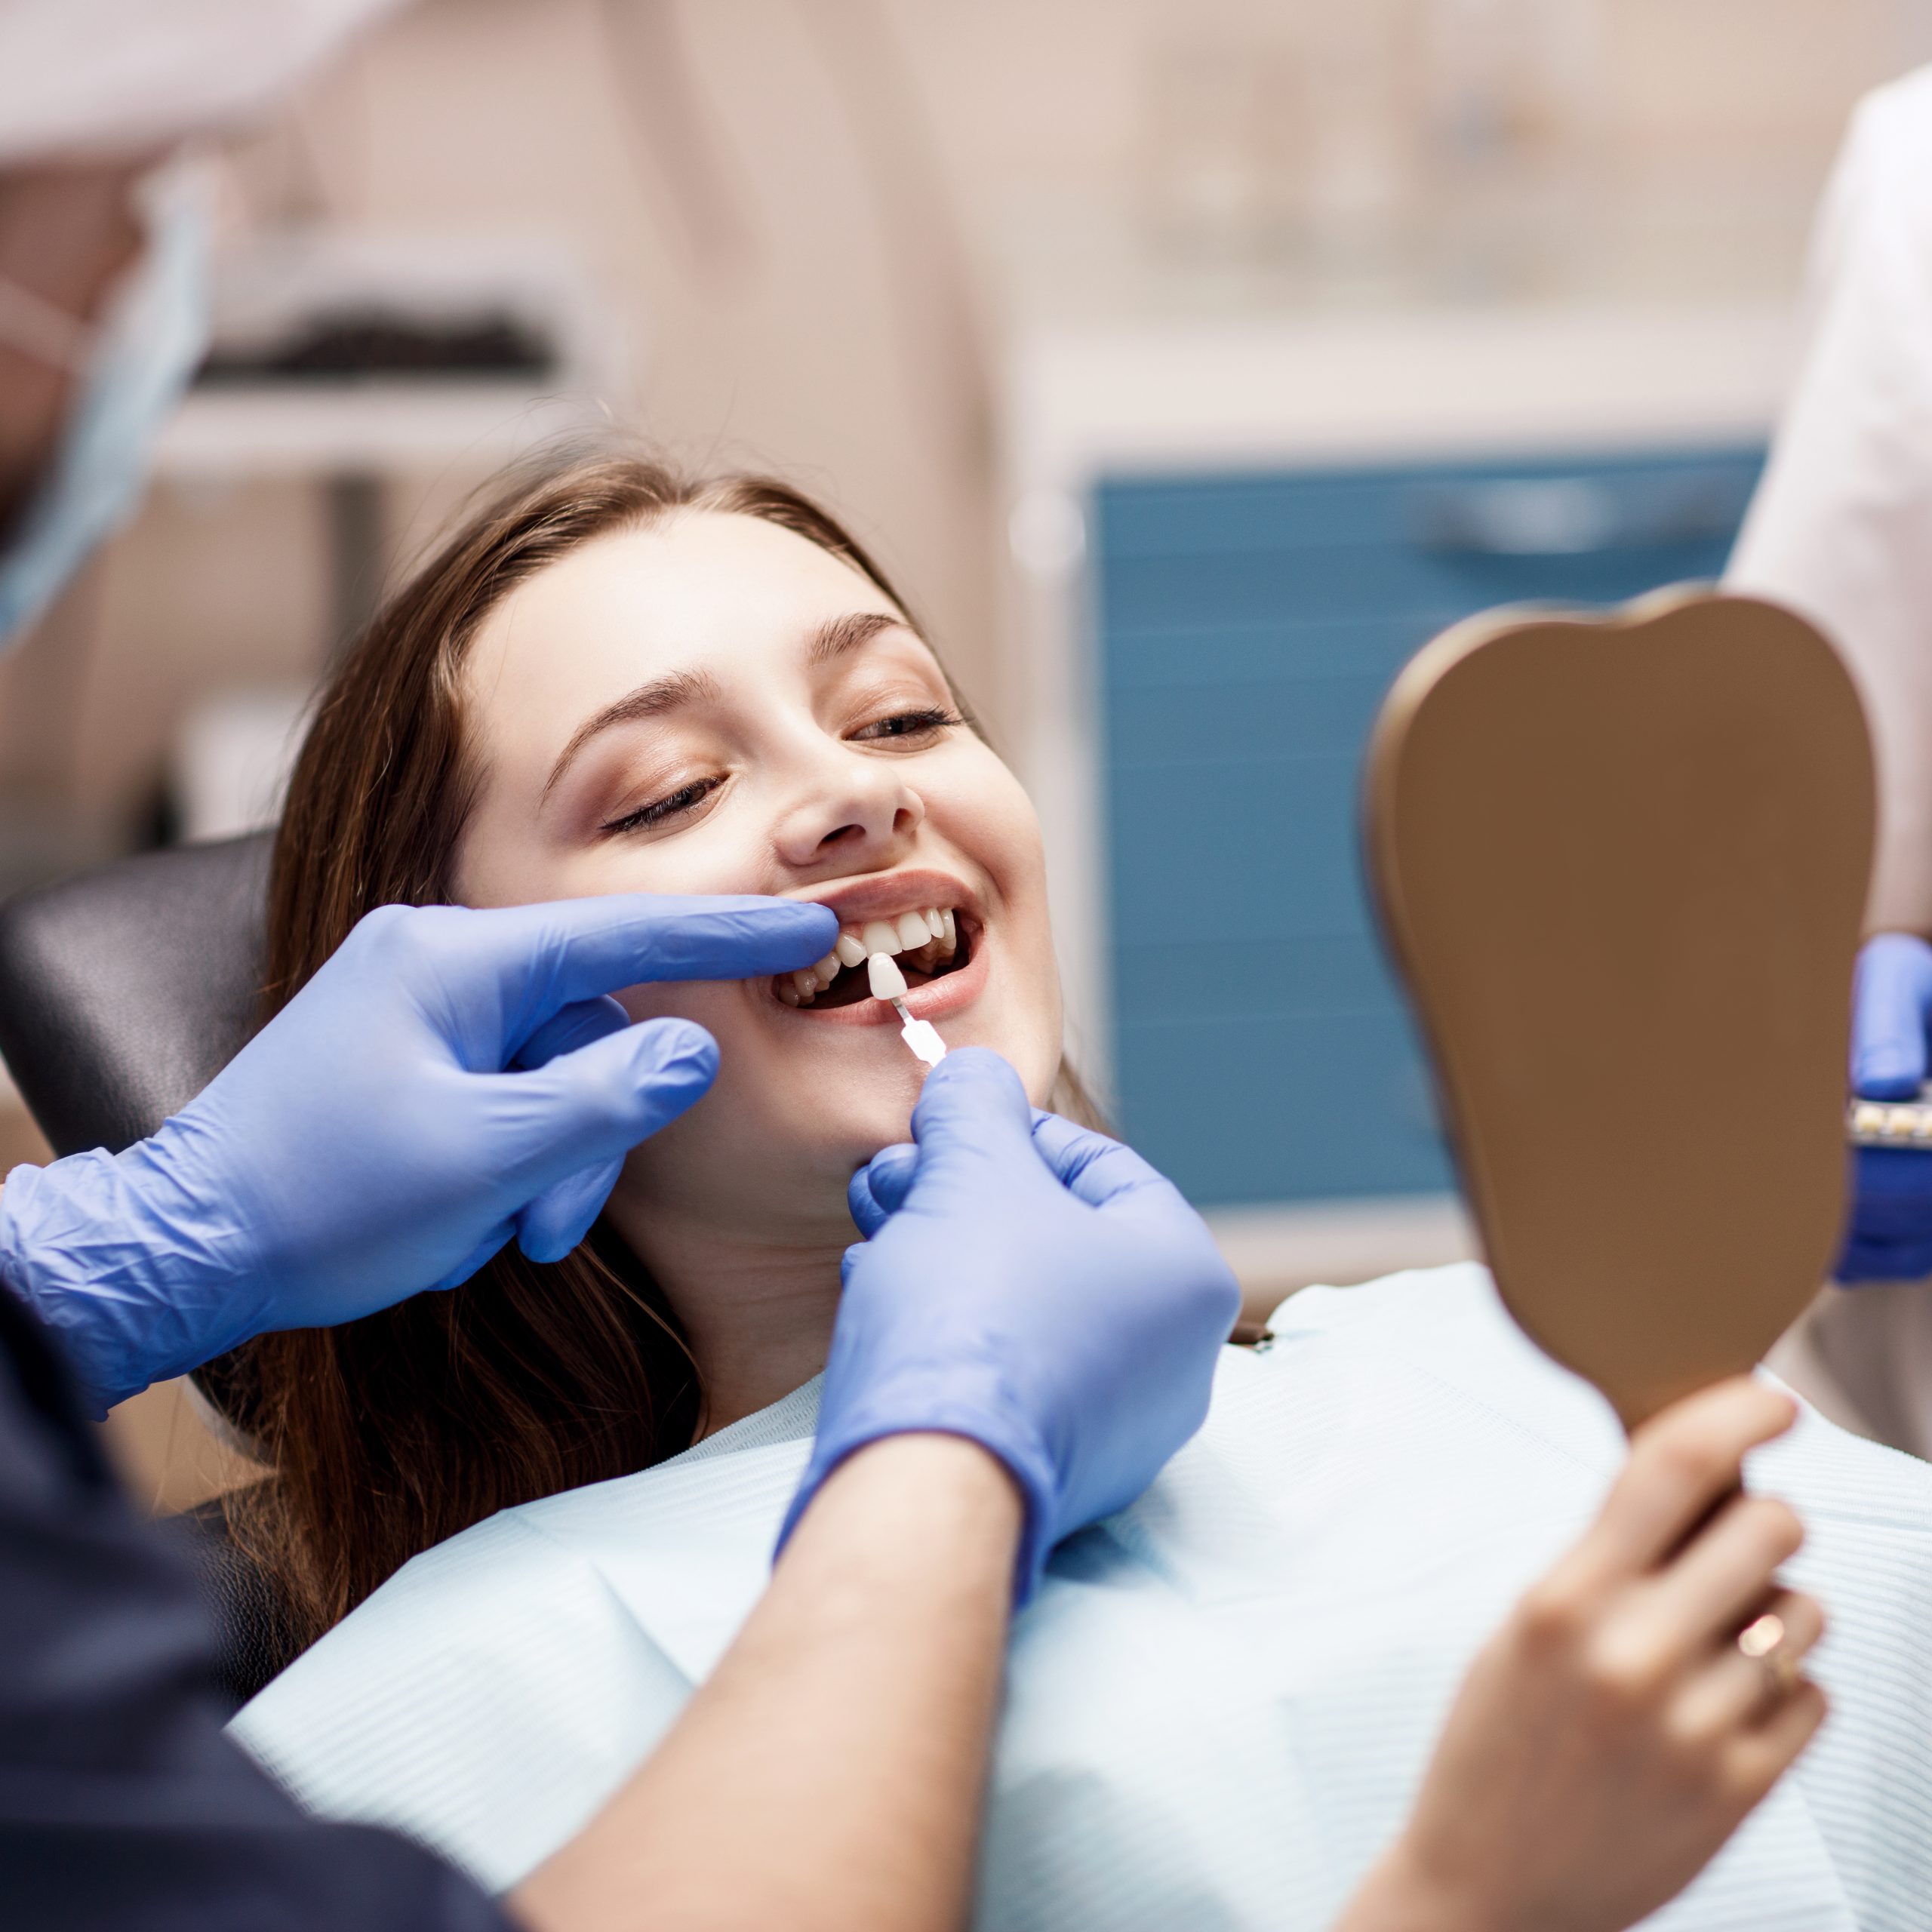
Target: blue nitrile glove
{"x":1891,"y":1236}
{"x":1039,"y":1289}
{"x":373,"y":1141}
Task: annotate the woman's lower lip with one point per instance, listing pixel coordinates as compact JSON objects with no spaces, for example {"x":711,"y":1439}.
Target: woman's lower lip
{"x":937,"y":999}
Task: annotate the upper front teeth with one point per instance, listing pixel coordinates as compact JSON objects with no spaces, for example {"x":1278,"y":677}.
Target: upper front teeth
{"x":908,"y":933}
{"x":932,"y":929}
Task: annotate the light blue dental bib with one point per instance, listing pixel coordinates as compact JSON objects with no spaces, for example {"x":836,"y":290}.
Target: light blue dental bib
{"x":1221,"y":1703}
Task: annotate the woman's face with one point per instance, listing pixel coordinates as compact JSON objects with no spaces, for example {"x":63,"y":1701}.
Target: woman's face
{"x":714,"y":704}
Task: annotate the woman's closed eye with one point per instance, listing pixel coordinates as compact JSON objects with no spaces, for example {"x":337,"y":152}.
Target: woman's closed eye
{"x":662,"y":811}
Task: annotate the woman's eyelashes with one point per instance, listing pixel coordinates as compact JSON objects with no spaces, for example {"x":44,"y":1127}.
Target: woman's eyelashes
{"x":925,"y":721}
{"x":676,"y":805}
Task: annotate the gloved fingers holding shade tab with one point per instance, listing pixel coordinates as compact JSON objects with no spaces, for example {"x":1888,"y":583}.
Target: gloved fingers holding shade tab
{"x":1031,"y":1285}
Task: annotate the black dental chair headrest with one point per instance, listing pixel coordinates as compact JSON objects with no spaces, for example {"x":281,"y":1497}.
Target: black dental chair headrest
{"x":123,"y":992}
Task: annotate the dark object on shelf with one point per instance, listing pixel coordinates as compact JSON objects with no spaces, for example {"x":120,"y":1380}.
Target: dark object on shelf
{"x":372,"y":345}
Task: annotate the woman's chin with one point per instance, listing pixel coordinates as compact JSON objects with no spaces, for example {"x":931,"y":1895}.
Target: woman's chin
{"x":881,"y":1121}
{"x":808,"y":1148}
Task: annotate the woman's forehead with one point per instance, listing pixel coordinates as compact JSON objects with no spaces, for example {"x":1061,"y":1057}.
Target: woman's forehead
{"x":696,"y":591}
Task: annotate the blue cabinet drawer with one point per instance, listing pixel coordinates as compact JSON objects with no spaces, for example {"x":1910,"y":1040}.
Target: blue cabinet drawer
{"x":1282,"y":717}
{"x":1221,"y":851}
{"x":1206,"y":654}
{"x":1239,"y":979}
{"x":1354,"y":583}
{"x":1562,"y":504}
{"x":1333,"y":1103}
{"x":1248,"y":628}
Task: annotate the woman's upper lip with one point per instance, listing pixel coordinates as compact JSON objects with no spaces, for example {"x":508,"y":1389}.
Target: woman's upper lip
{"x":883,"y":895}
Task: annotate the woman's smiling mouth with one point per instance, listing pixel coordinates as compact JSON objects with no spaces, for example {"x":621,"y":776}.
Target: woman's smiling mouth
{"x":928,"y":944}
{"x":937,"y":942}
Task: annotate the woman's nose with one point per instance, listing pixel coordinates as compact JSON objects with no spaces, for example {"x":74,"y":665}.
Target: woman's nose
{"x":861,"y":812}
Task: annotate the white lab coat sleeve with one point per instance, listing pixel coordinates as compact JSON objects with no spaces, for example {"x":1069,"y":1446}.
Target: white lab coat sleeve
{"x":1841,"y":527}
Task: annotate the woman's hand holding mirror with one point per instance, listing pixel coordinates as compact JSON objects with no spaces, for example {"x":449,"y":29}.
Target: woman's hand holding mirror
{"x":1638,"y":1702}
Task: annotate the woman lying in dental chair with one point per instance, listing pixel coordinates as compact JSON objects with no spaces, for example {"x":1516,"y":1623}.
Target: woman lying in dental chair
{"x":521,"y":1520}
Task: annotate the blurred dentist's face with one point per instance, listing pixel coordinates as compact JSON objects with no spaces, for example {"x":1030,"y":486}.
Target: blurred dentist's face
{"x":714,"y":704}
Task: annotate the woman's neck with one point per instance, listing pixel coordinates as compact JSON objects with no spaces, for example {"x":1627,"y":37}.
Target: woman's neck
{"x":756,"y":1313}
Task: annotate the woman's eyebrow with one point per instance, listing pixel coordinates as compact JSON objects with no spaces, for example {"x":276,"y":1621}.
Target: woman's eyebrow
{"x":840,"y":634}
{"x":650,"y":700}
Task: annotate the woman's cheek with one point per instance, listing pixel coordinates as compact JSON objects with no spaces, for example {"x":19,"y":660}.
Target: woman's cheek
{"x":657,"y":1002}
{"x":718,"y":1006}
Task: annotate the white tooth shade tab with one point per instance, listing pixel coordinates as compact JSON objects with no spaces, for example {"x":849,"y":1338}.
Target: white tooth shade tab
{"x":912,"y":932}
{"x":888,"y":982}
{"x":851,"y":949}
{"x":877,"y":936}
{"x":922,"y":1036}
{"x":934,"y":924}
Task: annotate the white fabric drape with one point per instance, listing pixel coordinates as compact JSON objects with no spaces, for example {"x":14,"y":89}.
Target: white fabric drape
{"x":1220,"y":1705}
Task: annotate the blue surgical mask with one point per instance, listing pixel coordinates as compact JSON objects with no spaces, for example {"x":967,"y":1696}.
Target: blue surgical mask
{"x":142,"y":358}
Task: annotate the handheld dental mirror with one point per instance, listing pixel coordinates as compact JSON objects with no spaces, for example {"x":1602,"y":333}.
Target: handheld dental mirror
{"x":1621,"y":862}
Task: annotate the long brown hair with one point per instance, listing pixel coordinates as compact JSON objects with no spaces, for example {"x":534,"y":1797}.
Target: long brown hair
{"x":388,"y":1434}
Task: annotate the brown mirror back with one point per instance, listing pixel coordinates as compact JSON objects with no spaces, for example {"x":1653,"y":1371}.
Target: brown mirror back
{"x":1622,"y":864}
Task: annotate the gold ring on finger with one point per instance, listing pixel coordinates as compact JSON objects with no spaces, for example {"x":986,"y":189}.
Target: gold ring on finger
{"x":1766,"y":1643}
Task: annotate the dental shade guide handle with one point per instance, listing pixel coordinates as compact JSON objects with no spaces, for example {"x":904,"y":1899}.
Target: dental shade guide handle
{"x":921,"y":1035}
{"x":888,"y":983}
